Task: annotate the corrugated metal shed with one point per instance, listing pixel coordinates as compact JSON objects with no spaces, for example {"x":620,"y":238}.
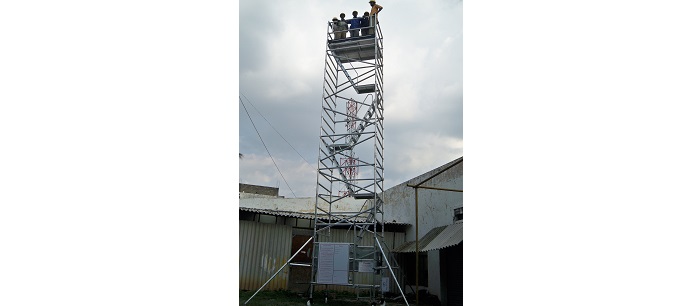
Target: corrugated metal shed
{"x":266,"y":247}
{"x":263,"y":248}
{"x":437,"y":238}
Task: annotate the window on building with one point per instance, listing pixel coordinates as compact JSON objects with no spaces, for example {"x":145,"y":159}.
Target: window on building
{"x":457,"y":214}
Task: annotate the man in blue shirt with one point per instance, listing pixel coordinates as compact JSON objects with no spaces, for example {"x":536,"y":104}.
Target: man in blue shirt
{"x":354,"y":25}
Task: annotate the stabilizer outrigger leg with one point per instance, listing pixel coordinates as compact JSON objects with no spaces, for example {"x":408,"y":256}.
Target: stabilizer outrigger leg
{"x":279,"y":270}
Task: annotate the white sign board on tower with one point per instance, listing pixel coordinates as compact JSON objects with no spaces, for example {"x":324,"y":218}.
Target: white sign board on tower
{"x":365,"y":265}
{"x":333,"y":263}
{"x":385,"y":284}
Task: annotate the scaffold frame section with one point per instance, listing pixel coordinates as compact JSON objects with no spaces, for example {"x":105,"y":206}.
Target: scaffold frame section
{"x":351,"y":158}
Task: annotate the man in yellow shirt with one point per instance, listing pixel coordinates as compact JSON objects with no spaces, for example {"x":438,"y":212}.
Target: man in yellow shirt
{"x":376,"y":8}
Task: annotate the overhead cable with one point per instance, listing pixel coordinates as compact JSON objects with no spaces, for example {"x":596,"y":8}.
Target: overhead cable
{"x":268,"y":151}
{"x":278,"y":133}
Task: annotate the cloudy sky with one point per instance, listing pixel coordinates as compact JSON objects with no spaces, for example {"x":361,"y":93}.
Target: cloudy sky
{"x":282,"y":46}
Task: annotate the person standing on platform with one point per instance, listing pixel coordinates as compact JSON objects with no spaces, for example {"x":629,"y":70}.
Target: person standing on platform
{"x":364,"y":23}
{"x":376,"y":8}
{"x":354,"y":25}
{"x":336,"y":29}
{"x":343,"y":25}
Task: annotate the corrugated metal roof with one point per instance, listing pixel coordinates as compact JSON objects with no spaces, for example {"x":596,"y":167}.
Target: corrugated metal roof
{"x":411,"y":246}
{"x":437,"y":238}
{"x":279,"y":212}
{"x":451,"y":235}
{"x":292,"y":214}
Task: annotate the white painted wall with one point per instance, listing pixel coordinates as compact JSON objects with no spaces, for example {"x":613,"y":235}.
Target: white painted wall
{"x":434,"y":273}
{"x":435,"y":207}
{"x":246,"y":195}
{"x":302,"y":205}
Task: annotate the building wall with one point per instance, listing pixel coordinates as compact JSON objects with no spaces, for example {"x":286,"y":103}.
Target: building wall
{"x":297,"y":205}
{"x":245,"y":195}
{"x":255,"y":189}
{"x":435,"y":207}
{"x":434,"y":282}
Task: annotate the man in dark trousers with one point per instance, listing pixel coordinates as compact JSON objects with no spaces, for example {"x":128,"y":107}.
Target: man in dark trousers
{"x":364,"y":23}
{"x":354,"y":25}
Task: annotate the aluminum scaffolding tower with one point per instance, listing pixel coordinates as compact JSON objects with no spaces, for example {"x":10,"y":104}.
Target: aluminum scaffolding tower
{"x":351,"y":164}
